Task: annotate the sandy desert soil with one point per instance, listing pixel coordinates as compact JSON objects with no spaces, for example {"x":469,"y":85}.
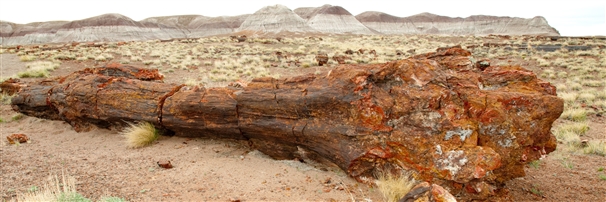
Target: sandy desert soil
{"x":222,"y":170}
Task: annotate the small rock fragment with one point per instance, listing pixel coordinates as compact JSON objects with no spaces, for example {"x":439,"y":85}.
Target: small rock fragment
{"x":17,"y":138}
{"x":322,"y":59}
{"x":425,"y":192}
{"x":165,"y":164}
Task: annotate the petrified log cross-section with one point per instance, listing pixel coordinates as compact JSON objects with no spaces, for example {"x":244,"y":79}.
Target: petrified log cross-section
{"x":466,"y":126}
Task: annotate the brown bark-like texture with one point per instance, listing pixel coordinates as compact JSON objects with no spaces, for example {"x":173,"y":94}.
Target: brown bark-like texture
{"x":465,"y":126}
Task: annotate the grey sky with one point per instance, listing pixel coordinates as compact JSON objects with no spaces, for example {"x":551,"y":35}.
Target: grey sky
{"x":571,"y":18}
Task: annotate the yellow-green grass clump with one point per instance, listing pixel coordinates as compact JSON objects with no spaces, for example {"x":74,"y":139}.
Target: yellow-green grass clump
{"x":579,"y":128}
{"x":574,"y":114}
{"x":27,"y":58}
{"x":140,"y":134}
{"x":596,"y":147}
{"x":59,"y":189}
{"x":38,"y":69}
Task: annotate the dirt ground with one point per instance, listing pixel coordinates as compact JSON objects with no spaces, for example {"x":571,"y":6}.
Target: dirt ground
{"x":222,"y":170}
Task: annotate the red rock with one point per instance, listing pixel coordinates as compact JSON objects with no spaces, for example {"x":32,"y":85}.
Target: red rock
{"x":165,"y":164}
{"x":10,"y":86}
{"x":340,"y":58}
{"x":425,"y":192}
{"x":322,"y":59}
{"x":17,"y":138}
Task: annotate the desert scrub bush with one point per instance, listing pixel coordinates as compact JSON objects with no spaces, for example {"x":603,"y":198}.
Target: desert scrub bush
{"x":575,"y":86}
{"x":597,"y":147}
{"x":568,"y":137}
{"x":191,"y":82}
{"x":393,"y":187}
{"x":100,"y":58}
{"x":586,"y":97}
{"x":27,"y":58}
{"x":108,"y":56}
{"x":574,"y":114}
{"x":38,"y":69}
{"x":561,"y":88}
{"x":579,"y":128}
{"x":148,"y":62}
{"x":140,"y":134}
{"x":136,"y":58}
{"x":5,"y":99}
{"x":61,"y":189}
{"x":17,"y":117}
{"x":593,"y":83}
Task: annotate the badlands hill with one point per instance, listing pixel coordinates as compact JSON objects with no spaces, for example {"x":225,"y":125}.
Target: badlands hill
{"x":327,"y":19}
{"x":427,"y":23}
{"x":332,"y":19}
{"x":195,"y":26}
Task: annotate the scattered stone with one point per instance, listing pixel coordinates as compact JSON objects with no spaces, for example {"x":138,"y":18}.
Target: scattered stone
{"x":17,"y":138}
{"x":322,"y":59}
{"x":349,"y":52}
{"x":340,"y":58}
{"x":10,"y":86}
{"x":373,"y":52}
{"x":424,"y":192}
{"x":584,"y":143}
{"x":482,"y":64}
{"x":165,"y":164}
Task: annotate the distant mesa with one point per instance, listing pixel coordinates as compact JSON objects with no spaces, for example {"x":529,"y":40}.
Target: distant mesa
{"x":276,"y":19}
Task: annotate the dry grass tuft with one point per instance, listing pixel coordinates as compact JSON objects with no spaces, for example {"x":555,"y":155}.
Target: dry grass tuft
{"x":595,"y":147}
{"x":393,"y":187}
{"x":575,"y":114}
{"x":55,"y":189}
{"x":579,"y":128}
{"x":140,"y":134}
{"x":60,"y":190}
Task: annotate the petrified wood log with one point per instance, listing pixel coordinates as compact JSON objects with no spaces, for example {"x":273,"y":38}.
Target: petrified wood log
{"x":467,"y":128}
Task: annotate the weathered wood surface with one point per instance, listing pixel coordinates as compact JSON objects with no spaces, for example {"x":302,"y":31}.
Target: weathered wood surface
{"x":468,"y":127}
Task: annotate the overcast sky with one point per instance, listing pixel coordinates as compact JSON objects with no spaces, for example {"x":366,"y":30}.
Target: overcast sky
{"x":569,"y":17}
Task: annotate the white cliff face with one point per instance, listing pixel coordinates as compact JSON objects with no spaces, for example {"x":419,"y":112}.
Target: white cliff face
{"x":473,"y":25}
{"x":275,"y":19}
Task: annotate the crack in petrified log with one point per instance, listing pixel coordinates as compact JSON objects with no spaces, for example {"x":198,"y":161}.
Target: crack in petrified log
{"x":466,"y":126}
